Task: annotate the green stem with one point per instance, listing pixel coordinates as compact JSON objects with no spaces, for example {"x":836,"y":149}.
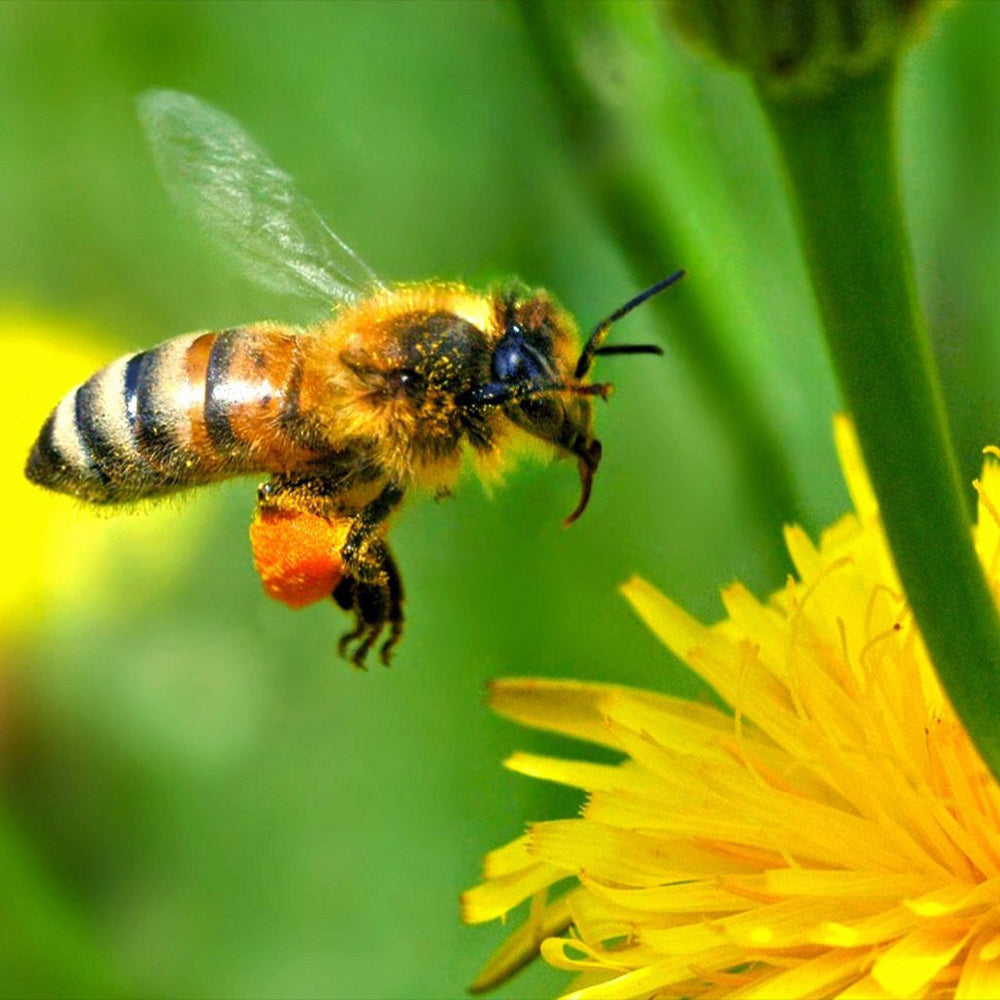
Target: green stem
{"x":627,"y":201}
{"x":840,"y":157}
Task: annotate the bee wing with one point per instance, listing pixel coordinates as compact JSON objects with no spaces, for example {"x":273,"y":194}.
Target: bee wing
{"x":245,"y":203}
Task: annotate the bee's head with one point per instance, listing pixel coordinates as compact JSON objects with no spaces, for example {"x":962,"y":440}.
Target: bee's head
{"x":541,"y":382}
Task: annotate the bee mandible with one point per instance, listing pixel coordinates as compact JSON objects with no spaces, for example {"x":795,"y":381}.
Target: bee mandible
{"x":346,"y":416}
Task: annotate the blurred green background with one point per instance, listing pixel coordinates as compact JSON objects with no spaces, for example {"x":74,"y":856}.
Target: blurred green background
{"x":199,"y":798}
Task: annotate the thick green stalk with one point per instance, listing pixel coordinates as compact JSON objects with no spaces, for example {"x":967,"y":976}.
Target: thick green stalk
{"x":626,"y":199}
{"x":840,"y":157}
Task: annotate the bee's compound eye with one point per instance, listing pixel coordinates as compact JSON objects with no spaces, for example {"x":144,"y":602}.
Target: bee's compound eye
{"x":507,"y":360}
{"x":514,"y":361}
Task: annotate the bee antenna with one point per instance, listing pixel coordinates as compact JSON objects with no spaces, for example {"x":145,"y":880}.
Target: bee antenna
{"x":593,"y":345}
{"x":629,"y":349}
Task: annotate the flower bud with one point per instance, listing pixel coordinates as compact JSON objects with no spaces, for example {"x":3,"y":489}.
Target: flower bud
{"x":801,"y":49}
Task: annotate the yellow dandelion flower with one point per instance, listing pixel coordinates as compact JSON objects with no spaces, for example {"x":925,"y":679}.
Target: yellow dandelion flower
{"x":836,"y":835}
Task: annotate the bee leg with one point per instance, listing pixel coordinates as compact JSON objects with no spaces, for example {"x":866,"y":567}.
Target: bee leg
{"x":395,"y":594}
{"x":294,"y":493}
{"x":373,"y":611}
{"x":376,"y":603}
{"x":345,"y":594}
{"x":362,"y":553}
{"x":364,"y":601}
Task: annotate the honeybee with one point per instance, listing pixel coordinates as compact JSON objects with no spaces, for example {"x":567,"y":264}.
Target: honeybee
{"x":345,"y":417}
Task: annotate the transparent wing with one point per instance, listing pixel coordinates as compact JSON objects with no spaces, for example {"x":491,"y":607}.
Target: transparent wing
{"x":245,"y":203}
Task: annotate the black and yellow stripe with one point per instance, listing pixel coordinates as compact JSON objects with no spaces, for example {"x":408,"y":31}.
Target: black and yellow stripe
{"x":220,"y":400}
{"x":192,"y":410}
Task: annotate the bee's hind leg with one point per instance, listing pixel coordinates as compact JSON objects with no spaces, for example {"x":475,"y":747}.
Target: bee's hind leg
{"x":345,"y":594}
{"x":365,"y":601}
{"x":395,"y":595}
{"x":376,"y":602}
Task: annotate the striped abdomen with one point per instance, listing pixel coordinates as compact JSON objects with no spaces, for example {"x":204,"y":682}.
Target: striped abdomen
{"x":193,"y":410}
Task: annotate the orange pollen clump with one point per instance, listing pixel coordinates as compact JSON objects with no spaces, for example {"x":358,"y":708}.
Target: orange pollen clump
{"x":297,"y":555}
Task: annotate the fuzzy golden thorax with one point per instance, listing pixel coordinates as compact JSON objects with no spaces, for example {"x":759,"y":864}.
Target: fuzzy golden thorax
{"x":400,"y":371}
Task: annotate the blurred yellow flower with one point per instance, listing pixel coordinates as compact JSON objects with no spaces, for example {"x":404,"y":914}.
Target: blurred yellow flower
{"x":836,"y":835}
{"x":54,"y":547}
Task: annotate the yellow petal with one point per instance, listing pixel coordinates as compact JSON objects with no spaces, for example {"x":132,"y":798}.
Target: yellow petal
{"x":674,"y":627}
{"x":576,"y":774}
{"x":987,"y":529}
{"x":791,"y":923}
{"x":866,"y":989}
{"x":569,"y":707}
{"x":703,"y":896}
{"x":511,"y":857}
{"x":626,"y":857}
{"x":573,"y":955}
{"x":950,"y":899}
{"x":913,"y":962}
{"x":498,"y":896}
{"x":806,"y":558}
{"x":989,"y":947}
{"x":647,"y":981}
{"x":819,"y":882}
{"x":981,"y":970}
{"x":814,"y":977}
{"x":853,"y":465}
{"x":877,"y":929}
